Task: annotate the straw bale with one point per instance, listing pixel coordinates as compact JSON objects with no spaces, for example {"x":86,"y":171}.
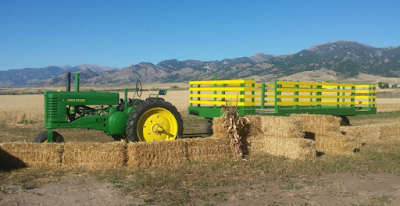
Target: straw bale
{"x":253,"y":126}
{"x":210,"y":148}
{"x":334,"y":143}
{"x":145,"y":154}
{"x":292,"y":148}
{"x":389,"y":131}
{"x":281,"y":127}
{"x":318,"y":124}
{"x":256,"y":146}
{"x":94,"y":155}
{"x":366,"y":133}
{"x":218,"y":126}
{"x":21,"y":154}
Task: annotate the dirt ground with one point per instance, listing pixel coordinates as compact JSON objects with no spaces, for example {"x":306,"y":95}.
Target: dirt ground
{"x":334,"y":189}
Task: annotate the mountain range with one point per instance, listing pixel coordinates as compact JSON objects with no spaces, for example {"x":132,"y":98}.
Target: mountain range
{"x":333,"y":61}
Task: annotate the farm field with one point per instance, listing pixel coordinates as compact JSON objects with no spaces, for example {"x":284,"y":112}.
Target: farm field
{"x":369,"y":177}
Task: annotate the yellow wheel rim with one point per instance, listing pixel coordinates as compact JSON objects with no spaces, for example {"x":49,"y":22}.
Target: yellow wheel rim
{"x":157,"y":124}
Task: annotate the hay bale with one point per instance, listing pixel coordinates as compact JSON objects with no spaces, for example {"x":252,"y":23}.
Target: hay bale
{"x":218,"y":127}
{"x":94,"y":155}
{"x":389,"y":131}
{"x":145,"y":154}
{"x":255,"y":146}
{"x":334,"y":143}
{"x":318,"y":124}
{"x":211,"y":148}
{"x":292,"y":148}
{"x":366,"y":133}
{"x":253,"y":126}
{"x":281,"y":127}
{"x":15,"y":155}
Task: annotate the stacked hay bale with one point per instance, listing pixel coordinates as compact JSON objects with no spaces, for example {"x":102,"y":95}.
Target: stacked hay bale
{"x":211,"y":148}
{"x":280,"y":136}
{"x":325,"y":130}
{"x":283,"y":136}
{"x":146,"y":154}
{"x":15,"y":155}
{"x":93,"y":155}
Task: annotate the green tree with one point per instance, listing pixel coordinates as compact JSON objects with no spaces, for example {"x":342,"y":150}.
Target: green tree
{"x":380,"y":84}
{"x":386,"y":85}
{"x":394,"y":86}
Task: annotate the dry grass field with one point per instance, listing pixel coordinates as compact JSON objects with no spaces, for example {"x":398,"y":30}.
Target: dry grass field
{"x":369,"y":177}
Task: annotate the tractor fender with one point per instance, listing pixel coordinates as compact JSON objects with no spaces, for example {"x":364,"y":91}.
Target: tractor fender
{"x":117,"y":123}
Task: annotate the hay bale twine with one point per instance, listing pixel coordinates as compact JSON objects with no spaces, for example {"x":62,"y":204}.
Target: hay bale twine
{"x":318,"y":124}
{"x":15,"y":155}
{"x":211,"y":148}
{"x":334,"y":143}
{"x":146,"y":154}
{"x":94,"y":155}
{"x":281,"y":127}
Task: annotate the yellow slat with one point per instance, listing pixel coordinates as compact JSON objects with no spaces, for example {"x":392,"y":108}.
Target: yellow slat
{"x":365,"y":97}
{"x":315,"y":103}
{"x":220,"y":82}
{"x":315,"y":96}
{"x":316,"y":83}
{"x":221,"y":102}
{"x":238,"y":89}
{"x":314,"y":90}
{"x":365,"y":91}
{"x":223,"y":96}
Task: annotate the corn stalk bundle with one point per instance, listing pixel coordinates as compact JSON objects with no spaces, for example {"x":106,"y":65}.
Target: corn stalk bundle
{"x":233,"y":124}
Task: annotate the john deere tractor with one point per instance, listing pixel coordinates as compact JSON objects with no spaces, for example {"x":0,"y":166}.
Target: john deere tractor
{"x":133,"y":119}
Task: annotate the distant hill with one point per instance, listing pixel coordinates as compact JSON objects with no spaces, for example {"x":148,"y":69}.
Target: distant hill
{"x":333,"y":61}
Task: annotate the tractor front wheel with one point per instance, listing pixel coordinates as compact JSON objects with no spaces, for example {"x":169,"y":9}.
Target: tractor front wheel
{"x":154,"y":120}
{"x":42,"y":137}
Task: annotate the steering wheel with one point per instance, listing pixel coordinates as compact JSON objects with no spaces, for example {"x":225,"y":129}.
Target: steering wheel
{"x":139,"y":88}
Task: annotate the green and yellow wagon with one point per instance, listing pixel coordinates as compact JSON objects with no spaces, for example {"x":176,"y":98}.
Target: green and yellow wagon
{"x":281,"y":98}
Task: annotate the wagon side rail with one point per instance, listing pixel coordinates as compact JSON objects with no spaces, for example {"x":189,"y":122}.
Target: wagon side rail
{"x":318,"y":95}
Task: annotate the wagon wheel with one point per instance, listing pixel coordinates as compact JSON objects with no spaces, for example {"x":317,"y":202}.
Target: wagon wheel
{"x":154,"y":120}
{"x":344,"y":121}
{"x":42,"y":137}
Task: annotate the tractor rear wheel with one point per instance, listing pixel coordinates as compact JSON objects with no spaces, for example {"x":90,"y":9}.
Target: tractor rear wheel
{"x":42,"y":137}
{"x":154,"y":120}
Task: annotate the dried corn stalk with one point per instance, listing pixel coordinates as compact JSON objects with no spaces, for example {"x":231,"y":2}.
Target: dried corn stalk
{"x":233,"y":124}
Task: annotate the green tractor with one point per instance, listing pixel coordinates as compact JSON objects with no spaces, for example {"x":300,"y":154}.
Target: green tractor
{"x":133,"y":119}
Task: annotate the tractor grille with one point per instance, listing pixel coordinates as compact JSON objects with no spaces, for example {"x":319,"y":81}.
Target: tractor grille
{"x":52,"y":108}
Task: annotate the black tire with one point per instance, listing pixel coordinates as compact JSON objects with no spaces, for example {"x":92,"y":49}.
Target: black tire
{"x":209,"y":125}
{"x":345,"y":121}
{"x":42,"y":137}
{"x":133,"y":120}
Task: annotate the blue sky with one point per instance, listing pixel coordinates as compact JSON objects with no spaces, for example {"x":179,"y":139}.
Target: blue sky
{"x":120,"y":33}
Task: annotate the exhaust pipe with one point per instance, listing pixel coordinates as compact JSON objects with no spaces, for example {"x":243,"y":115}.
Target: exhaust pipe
{"x":68,"y":86}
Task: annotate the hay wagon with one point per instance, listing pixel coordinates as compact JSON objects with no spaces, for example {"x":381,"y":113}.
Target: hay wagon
{"x":281,"y":98}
